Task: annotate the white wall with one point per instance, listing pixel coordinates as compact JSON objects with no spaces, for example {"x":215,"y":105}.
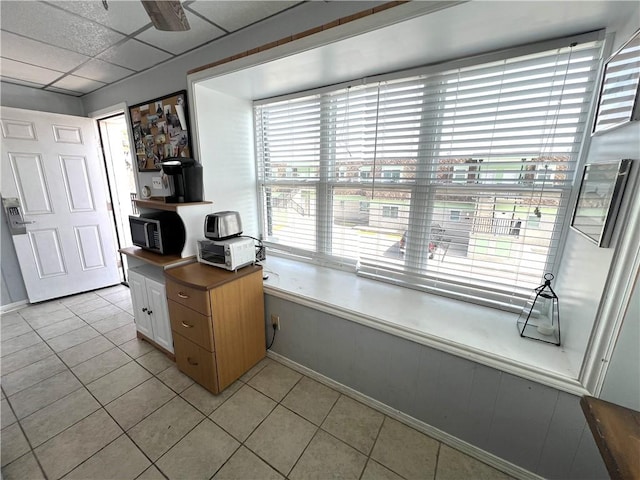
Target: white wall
{"x":225,"y":132}
{"x":622,"y":382}
{"x":584,"y":269}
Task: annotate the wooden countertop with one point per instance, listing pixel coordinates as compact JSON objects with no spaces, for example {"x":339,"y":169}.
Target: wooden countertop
{"x":158,"y":205}
{"x":154,"y":258}
{"x":205,"y":277}
{"x":616,"y":430}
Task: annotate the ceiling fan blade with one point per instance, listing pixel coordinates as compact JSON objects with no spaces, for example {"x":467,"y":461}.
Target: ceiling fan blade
{"x":166,"y":15}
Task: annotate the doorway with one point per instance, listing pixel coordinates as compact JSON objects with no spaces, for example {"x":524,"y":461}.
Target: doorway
{"x":121,"y":179}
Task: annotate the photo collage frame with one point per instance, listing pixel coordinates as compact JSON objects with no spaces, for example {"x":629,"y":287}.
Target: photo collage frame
{"x":160,"y":130}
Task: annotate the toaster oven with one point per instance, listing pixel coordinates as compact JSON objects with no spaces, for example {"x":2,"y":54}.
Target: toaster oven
{"x":229,"y":254}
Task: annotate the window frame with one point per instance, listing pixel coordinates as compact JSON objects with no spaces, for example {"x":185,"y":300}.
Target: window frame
{"x":424,"y":192}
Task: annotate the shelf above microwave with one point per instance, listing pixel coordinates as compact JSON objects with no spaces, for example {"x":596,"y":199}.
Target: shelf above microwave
{"x":160,"y":205}
{"x":163,"y":261}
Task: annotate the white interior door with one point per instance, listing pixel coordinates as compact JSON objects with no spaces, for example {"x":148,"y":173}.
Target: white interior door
{"x":53,"y":165}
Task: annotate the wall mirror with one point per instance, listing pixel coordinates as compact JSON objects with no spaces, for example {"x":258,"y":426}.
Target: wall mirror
{"x":618,"y":100}
{"x":599,"y":200}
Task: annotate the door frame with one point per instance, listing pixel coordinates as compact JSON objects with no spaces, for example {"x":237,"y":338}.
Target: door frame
{"x":114,"y":219}
{"x":105,"y":114}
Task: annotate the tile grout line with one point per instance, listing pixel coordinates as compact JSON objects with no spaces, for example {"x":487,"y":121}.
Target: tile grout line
{"x":278,"y":403}
{"x":32,"y":449}
{"x":435,"y":467}
{"x":208,"y":416}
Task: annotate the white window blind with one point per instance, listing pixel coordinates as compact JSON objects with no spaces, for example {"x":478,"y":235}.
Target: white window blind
{"x":455,"y":182}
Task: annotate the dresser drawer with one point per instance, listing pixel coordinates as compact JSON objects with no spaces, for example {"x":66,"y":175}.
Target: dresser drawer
{"x":193,"y":298}
{"x":192,"y":325}
{"x":196,"y":362}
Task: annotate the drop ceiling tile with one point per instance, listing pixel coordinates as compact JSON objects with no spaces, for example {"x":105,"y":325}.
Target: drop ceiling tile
{"x":37,"y":53}
{"x":21,"y":82}
{"x":66,"y":92}
{"x":78,"y":84}
{"x":51,"y":25}
{"x":177,"y":42}
{"x":123,"y":16}
{"x":102,"y":71}
{"x":134,"y":55}
{"x":30,"y":73}
{"x":234,"y":15}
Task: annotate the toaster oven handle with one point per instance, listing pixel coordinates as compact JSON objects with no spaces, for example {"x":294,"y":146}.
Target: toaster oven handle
{"x":182,"y":295}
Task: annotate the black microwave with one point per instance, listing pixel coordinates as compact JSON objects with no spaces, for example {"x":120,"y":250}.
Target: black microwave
{"x":158,"y":232}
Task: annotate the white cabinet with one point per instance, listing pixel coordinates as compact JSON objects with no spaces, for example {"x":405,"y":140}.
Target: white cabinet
{"x":148,"y":296}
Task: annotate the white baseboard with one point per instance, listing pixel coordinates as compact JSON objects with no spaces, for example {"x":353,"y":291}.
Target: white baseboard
{"x":10,"y":307}
{"x":454,"y":442}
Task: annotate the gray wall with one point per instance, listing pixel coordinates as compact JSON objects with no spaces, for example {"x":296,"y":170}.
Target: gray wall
{"x":12,"y":286}
{"x":158,"y":81}
{"x":19,"y":96}
{"x":531,"y":425}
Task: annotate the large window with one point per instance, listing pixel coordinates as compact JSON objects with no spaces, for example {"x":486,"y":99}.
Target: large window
{"x":465,"y":173}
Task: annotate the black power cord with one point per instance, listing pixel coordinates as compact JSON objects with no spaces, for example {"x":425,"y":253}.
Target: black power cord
{"x":273,"y":338}
{"x":261,"y":250}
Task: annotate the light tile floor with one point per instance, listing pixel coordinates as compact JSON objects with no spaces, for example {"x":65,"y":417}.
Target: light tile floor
{"x":82,"y":398}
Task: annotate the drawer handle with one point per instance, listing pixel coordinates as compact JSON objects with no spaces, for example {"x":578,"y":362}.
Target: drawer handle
{"x":186,"y":325}
{"x":182,"y":295}
{"x":191,"y":362}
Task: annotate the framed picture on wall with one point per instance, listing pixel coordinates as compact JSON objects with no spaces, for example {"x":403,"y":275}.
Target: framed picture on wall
{"x":599,"y":200}
{"x":618,"y":101}
{"x":160,"y":130}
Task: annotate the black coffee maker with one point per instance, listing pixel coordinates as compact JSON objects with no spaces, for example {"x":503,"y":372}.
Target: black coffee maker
{"x":185,"y":179}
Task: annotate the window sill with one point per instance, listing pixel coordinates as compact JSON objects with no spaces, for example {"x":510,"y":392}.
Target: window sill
{"x":477,"y":333}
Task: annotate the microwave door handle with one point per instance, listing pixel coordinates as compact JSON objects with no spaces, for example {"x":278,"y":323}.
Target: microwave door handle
{"x":159,"y":245}
{"x":146,"y":234}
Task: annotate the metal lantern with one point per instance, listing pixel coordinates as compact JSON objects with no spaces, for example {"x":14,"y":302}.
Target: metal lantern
{"x":540,"y":317}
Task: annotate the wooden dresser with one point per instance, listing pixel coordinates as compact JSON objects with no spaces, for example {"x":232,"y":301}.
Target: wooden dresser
{"x":217,"y":320}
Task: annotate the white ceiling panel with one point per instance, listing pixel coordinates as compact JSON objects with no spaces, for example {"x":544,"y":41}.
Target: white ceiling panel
{"x":125,"y":16}
{"x":102,"y":71}
{"x":66,"y":92}
{"x":82,"y":38}
{"x":38,"y":53}
{"x":234,"y":15}
{"x":48,"y":24}
{"x":134,"y":55}
{"x":22,"y":82}
{"x":178,"y":42}
{"x":78,"y":84}
{"x":30,"y":73}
